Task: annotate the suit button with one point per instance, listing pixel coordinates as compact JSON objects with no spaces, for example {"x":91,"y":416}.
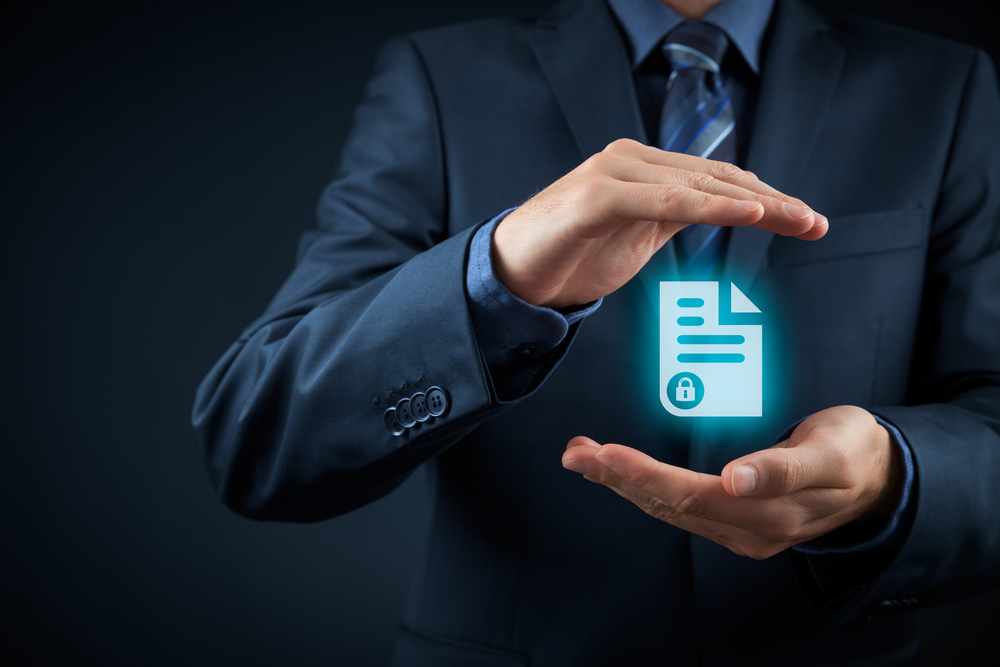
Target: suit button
{"x":525,"y":350}
{"x":418,"y":407}
{"x":392,"y":423}
{"x":403,"y":413}
{"x":437,"y":401}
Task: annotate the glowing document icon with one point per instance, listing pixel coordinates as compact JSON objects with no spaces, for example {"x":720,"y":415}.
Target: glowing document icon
{"x":708,"y":369}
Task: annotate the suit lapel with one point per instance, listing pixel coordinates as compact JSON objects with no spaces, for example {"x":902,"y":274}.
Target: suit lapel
{"x":800,"y":73}
{"x":583,"y":55}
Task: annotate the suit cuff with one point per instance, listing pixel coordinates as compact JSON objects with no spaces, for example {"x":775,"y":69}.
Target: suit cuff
{"x":834,"y":564}
{"x":514,"y":336}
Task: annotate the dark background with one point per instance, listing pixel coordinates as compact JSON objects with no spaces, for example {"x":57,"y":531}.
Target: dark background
{"x":159,"y":162}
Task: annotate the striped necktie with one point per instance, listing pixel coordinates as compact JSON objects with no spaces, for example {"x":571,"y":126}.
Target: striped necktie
{"x":698,"y":119}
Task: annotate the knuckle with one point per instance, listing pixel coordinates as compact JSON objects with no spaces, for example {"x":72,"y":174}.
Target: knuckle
{"x":598,"y":162}
{"x":593,"y":190}
{"x":618,"y":486}
{"x":841,"y":460}
{"x":666,"y":196}
{"x":620,"y":146}
{"x":700,"y":181}
{"x":616,"y":483}
{"x":640,"y":478}
{"x":726,"y":170}
{"x":692,"y":505}
{"x":790,"y":474}
{"x":655,"y":507}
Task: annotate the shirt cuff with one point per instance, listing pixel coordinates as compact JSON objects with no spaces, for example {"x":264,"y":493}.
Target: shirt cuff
{"x":856,"y":539}
{"x":511,"y":333}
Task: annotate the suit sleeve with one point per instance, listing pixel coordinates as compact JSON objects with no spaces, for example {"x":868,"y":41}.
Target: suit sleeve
{"x":952,"y":422}
{"x":292,"y":417}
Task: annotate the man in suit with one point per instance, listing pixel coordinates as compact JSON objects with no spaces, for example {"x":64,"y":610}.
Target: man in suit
{"x":408,"y":333}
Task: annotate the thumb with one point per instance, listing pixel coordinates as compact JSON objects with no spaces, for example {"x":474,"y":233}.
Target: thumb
{"x":777,"y":472}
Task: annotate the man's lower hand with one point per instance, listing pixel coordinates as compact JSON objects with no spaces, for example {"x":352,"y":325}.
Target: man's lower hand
{"x":591,"y":231}
{"x":839,"y":465}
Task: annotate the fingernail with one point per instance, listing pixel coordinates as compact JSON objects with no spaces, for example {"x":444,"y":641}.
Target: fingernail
{"x":748,"y":205}
{"x":744,"y":480}
{"x":606,"y":459}
{"x":796,"y":211}
{"x":576,"y":466}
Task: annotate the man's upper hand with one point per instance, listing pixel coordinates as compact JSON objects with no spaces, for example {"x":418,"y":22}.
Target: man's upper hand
{"x":591,"y":231}
{"x":839,"y":465}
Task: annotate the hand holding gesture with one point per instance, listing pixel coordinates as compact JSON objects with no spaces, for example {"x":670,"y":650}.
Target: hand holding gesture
{"x":591,"y":231}
{"x":839,"y":465}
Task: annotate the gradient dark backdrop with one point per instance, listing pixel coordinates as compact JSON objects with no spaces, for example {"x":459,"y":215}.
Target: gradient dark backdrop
{"x":158,"y":165}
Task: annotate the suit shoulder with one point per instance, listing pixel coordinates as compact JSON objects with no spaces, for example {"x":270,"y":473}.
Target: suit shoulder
{"x":484,"y":33}
{"x":459,"y":52}
{"x":467,"y":57}
{"x":876,"y":39}
{"x":473,"y":38}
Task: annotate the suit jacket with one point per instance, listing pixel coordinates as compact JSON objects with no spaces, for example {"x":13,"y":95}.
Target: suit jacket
{"x":890,"y":133}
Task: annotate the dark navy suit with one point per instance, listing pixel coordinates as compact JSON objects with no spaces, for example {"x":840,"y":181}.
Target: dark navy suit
{"x":893,"y":135}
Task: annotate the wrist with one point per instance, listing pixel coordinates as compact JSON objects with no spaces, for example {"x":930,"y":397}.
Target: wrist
{"x":889,"y":482}
{"x":511,"y":258}
{"x":501,"y":254}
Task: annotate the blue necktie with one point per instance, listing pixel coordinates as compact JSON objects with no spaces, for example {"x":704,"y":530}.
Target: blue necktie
{"x":698,"y":119}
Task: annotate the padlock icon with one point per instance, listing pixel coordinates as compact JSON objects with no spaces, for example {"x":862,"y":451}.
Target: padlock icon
{"x":685,"y":393}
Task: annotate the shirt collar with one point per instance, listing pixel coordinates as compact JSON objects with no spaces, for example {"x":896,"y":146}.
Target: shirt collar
{"x":646,"y":23}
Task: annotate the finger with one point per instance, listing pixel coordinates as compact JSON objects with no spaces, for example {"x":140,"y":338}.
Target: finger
{"x":634,"y":150}
{"x":780,"y":471}
{"x":661,"y":490}
{"x":757,"y":527}
{"x":736,"y":538}
{"x":723,"y":171}
{"x":777,"y":203}
{"x":678,"y":491}
{"x":716,"y":177}
{"x":683,"y":205}
{"x":581,"y":441}
{"x":574,"y":458}
{"x":818,"y":231}
{"x":779,"y":210}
